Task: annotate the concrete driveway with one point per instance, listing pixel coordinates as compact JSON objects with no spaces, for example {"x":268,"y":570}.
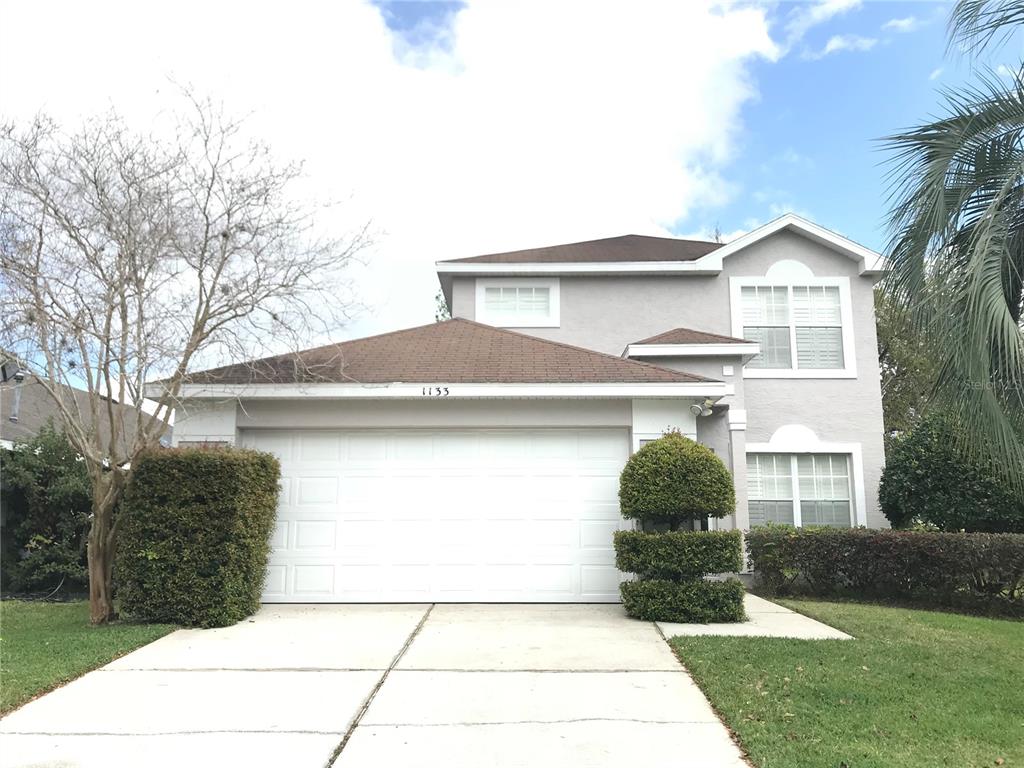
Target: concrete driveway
{"x":366,"y":686}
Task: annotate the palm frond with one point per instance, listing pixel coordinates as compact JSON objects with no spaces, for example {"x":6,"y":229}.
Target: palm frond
{"x":957,"y":259}
{"x":976,"y":24}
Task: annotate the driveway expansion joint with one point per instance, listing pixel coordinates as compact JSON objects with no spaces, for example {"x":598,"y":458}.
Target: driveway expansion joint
{"x":380,"y":683}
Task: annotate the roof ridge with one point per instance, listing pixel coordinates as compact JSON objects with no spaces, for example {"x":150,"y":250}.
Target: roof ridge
{"x":651,"y":339}
{"x":293,"y":353}
{"x":575,"y":348}
{"x":584,"y":242}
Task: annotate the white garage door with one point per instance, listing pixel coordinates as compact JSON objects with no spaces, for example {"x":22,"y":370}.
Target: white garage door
{"x":451,"y":515}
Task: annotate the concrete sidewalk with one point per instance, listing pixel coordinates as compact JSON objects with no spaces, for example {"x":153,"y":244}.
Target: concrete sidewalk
{"x":765,"y":619}
{"x":361,"y":686}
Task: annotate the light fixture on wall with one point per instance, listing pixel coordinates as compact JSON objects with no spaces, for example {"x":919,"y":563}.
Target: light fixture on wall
{"x":702,"y":409}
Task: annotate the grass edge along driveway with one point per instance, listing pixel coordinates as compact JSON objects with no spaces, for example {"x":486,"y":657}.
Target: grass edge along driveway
{"x":916,"y":689}
{"x":44,"y":645}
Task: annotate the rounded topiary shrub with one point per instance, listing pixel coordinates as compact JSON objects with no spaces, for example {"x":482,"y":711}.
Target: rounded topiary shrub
{"x":927,"y":480}
{"x":674,"y":479}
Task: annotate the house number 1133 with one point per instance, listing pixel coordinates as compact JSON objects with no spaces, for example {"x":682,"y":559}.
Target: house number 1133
{"x":435,"y":392}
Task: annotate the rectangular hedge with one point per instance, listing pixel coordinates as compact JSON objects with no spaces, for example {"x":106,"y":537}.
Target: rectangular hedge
{"x":685,"y":602}
{"x":194,"y":535}
{"x":980,"y":572}
{"x":678,"y":554}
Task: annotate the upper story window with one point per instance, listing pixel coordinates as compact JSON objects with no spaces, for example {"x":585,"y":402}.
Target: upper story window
{"x":804,"y":328}
{"x":518,"y":303}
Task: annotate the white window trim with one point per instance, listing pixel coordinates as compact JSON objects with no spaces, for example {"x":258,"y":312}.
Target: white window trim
{"x":849,"y":371}
{"x":853,"y":450}
{"x":510,"y":321}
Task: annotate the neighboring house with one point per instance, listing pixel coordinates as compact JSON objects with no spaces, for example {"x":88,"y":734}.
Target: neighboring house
{"x":478,"y":459}
{"x":26,"y":406}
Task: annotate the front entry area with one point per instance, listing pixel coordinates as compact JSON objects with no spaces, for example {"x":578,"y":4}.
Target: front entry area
{"x":449,"y":515}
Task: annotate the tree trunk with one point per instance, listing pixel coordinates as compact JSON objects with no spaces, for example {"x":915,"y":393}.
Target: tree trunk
{"x":106,"y":495}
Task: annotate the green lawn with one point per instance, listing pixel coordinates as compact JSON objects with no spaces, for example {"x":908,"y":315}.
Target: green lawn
{"x":43,"y":645}
{"x":916,"y":688}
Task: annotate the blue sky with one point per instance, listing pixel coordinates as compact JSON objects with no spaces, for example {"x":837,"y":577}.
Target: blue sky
{"x":810,"y":140}
{"x":455,"y":129}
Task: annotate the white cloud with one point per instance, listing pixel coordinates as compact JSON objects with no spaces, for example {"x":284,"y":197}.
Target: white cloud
{"x":908,"y":24}
{"x":935,"y":74}
{"x":806,"y":16}
{"x":838,"y":43}
{"x":533,"y":123}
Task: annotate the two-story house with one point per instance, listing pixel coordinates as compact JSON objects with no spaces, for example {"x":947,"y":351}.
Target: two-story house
{"x":477,"y":459}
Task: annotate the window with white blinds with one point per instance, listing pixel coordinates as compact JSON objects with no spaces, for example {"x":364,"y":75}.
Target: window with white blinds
{"x":518,"y":303}
{"x":799,"y":489}
{"x":524,"y":301}
{"x":804,"y":318}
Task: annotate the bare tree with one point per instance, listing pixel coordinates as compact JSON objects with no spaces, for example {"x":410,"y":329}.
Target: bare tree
{"x":126,"y":258}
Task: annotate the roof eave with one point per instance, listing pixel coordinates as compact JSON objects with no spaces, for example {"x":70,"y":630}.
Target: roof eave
{"x":745,"y":351}
{"x":706,"y":265}
{"x":455,"y":390}
{"x":870,"y":263}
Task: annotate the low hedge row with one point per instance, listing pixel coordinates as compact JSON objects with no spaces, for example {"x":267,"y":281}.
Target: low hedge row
{"x":690,"y":601}
{"x":195,"y":535}
{"x":982,"y":572}
{"x":678,"y":554}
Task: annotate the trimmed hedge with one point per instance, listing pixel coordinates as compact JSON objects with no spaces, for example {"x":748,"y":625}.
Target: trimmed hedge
{"x":673,"y":479}
{"x":678,"y":554}
{"x":979,"y":572}
{"x":690,"y":601}
{"x":194,"y":535}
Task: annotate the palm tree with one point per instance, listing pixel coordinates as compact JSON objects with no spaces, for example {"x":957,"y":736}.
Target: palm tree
{"x":957,"y":249}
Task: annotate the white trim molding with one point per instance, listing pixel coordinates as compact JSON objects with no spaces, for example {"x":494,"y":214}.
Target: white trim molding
{"x":869,"y":263}
{"x":746,"y":350}
{"x":798,"y":439}
{"x":436,"y":390}
{"x":737,"y":419}
{"x":849,"y":369}
{"x":512,"y":320}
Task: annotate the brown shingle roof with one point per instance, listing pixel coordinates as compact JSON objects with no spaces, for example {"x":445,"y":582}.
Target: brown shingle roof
{"x":624,"y":248}
{"x":454,"y":351}
{"x":690,"y":336}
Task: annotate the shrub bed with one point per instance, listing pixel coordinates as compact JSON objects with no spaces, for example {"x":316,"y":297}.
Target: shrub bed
{"x":980,"y":572}
{"x":928,"y":480}
{"x":690,"y":601}
{"x":194,"y":535}
{"x":46,"y":500}
{"x":678,"y":554}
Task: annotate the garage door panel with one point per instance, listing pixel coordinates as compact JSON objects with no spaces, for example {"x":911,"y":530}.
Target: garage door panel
{"x":317,"y":490}
{"x":319,"y":446}
{"x":597,"y":534}
{"x":315,"y":534}
{"x":275,"y":585}
{"x":459,"y":515}
{"x":366,"y":447}
{"x":313,"y":579}
{"x":599,"y":580}
{"x":279,"y":537}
